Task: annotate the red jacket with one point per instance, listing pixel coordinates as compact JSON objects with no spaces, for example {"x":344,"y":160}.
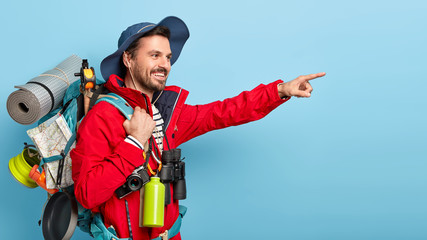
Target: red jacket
{"x":102,"y":159}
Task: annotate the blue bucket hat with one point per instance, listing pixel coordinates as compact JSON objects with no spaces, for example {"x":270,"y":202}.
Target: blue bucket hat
{"x":179,"y":34}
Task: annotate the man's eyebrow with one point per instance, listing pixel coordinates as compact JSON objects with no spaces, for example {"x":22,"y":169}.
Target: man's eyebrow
{"x":154,"y":51}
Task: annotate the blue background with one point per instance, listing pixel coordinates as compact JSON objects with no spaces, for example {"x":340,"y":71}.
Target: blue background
{"x":348,"y":163}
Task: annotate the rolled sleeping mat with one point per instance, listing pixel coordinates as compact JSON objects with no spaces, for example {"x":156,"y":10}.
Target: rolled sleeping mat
{"x":43,"y":93}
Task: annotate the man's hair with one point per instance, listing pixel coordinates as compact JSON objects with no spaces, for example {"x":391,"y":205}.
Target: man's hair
{"x":159,"y":30}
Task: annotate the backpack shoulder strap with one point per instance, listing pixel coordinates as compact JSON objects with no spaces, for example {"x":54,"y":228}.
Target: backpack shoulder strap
{"x":118,"y":102}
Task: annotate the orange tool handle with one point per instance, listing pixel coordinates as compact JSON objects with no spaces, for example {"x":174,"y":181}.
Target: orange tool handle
{"x":40,"y":179}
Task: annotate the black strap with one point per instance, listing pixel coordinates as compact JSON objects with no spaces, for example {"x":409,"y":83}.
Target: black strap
{"x":60,"y":170}
{"x":166,"y":138}
{"x":148,"y":152}
{"x":93,"y":100}
{"x":100,"y":90}
{"x":80,"y":107}
{"x":128,"y":217}
{"x":48,"y":90}
{"x":65,"y":106}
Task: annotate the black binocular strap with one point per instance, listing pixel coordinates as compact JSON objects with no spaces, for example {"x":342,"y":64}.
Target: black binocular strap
{"x":166,"y":138}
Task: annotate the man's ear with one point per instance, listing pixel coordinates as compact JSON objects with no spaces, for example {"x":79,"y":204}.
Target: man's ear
{"x":126,"y":59}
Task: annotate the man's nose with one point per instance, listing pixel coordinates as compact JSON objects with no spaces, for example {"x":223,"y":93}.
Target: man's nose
{"x":165,"y":63}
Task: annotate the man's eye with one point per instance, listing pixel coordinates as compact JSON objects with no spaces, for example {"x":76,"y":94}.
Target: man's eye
{"x":155,"y":55}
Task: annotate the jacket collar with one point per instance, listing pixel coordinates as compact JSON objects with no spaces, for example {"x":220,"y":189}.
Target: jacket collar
{"x":135,"y":98}
{"x":168,"y":97}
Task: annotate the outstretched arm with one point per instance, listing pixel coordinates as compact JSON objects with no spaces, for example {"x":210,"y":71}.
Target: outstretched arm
{"x":195,"y":120}
{"x":299,"y":87}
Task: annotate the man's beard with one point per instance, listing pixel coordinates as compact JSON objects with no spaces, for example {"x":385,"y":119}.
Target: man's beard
{"x":145,"y":81}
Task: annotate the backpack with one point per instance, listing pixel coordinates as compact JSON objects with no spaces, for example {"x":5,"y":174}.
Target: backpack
{"x":58,"y":128}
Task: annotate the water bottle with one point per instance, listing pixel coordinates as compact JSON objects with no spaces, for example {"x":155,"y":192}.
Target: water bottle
{"x":154,"y":203}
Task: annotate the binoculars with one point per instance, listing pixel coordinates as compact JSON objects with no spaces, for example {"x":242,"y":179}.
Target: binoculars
{"x":173,"y":171}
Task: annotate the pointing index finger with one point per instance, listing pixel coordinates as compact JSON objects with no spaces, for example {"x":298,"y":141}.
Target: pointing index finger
{"x":312,"y":76}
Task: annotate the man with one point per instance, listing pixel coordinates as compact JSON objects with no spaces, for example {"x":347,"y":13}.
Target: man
{"x":109,"y":147}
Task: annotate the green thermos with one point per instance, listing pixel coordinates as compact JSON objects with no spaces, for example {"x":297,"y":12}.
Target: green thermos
{"x":154,"y":203}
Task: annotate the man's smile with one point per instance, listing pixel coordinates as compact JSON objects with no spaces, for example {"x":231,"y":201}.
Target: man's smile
{"x":159,"y":74}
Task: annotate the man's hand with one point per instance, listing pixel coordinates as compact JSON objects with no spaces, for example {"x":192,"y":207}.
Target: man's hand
{"x":140,"y":126}
{"x":299,"y":87}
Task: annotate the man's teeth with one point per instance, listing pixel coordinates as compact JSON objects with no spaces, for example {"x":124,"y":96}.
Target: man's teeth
{"x":159,"y":74}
